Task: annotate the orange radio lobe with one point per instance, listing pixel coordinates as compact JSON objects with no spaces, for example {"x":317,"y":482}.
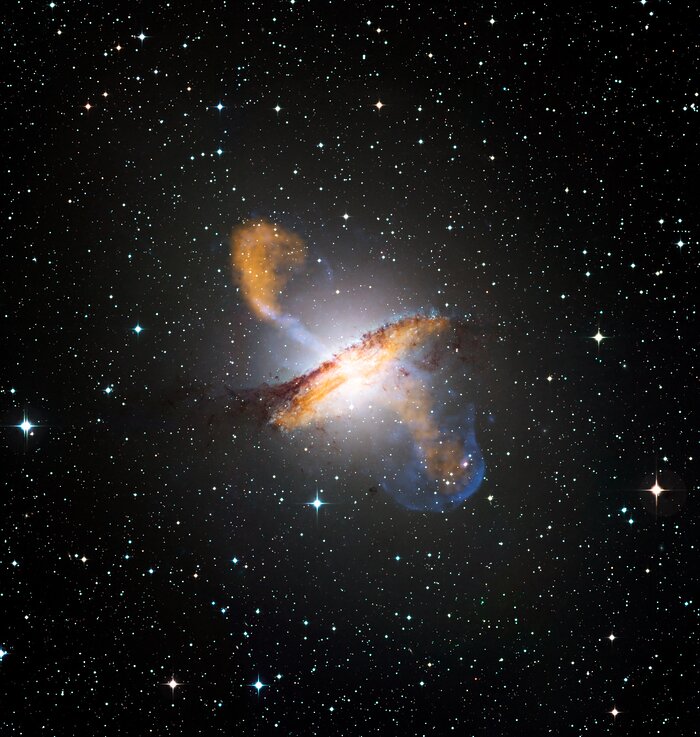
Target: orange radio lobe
{"x":263,"y":256}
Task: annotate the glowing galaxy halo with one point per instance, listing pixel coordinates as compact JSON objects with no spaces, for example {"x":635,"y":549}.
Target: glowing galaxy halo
{"x":403,"y":380}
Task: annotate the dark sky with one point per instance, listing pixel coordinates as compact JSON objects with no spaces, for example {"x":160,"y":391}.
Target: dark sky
{"x":532,"y":172}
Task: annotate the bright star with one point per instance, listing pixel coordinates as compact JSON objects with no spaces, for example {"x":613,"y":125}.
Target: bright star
{"x":656,"y":489}
{"x":680,"y":244}
{"x":142,"y":37}
{"x":612,"y":637}
{"x":614,"y":712}
{"x":137,"y":329}
{"x":598,"y":337}
{"x":25,"y":426}
{"x":379,"y":105}
{"x":346,"y":216}
{"x":3,"y":653}
{"x":173,"y":683}
{"x":277,"y":108}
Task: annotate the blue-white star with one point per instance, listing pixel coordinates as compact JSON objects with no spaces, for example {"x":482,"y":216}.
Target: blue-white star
{"x":316,"y":503}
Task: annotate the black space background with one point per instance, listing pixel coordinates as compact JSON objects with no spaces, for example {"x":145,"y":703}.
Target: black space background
{"x":121,"y":214}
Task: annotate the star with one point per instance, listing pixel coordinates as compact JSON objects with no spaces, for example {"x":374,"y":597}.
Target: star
{"x":599,"y":337}
{"x":87,"y":106}
{"x":258,"y":685}
{"x":614,"y":712}
{"x":680,"y":244}
{"x":317,"y":503}
{"x":25,"y":426}
{"x":137,"y":329}
{"x":173,"y":683}
{"x":142,"y":37}
{"x":379,"y":105}
{"x":612,"y":637}
{"x":3,"y":653}
{"x":346,"y":216}
{"x":219,"y":107}
{"x":108,"y":390}
{"x":656,"y":489}
{"x":277,"y":108}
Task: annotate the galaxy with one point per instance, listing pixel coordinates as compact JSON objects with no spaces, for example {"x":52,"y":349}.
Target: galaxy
{"x":390,"y":367}
{"x":350,"y":377}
